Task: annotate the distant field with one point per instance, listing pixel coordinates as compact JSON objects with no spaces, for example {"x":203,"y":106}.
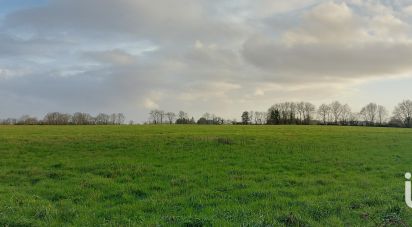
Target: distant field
{"x":203,"y":175}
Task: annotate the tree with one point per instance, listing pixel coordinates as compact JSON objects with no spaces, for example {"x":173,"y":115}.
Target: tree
{"x":260,"y":117}
{"x":202,"y":121}
{"x":369,"y":112}
{"x":300,"y":108}
{"x":113,"y":118}
{"x":382,"y":114}
{"x":183,"y":118}
{"x":245,"y":118}
{"x":57,"y":118}
{"x":403,"y":113}
{"x":251,"y":116}
{"x":287,"y":113}
{"x":170,"y":117}
{"x":103,"y":119}
{"x":324,"y":112}
{"x":308,"y":111}
{"x":336,"y":110}
{"x":120,"y":118}
{"x":27,"y":120}
{"x":81,"y":118}
{"x":346,"y":114}
{"x":156,"y":116}
{"x":161,"y":116}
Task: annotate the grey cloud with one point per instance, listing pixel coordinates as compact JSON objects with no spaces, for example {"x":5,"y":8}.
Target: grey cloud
{"x":205,"y":55}
{"x":112,"y":57}
{"x":320,"y":61}
{"x":334,"y":43}
{"x":139,"y":19}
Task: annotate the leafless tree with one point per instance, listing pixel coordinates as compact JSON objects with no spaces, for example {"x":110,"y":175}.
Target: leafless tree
{"x":156,"y":116}
{"x":183,"y":118}
{"x":346,"y":114}
{"x":171,"y":117}
{"x":324,"y":112}
{"x":120,"y":118}
{"x":308,"y":111}
{"x":82,"y":118}
{"x":382,"y":114}
{"x":182,"y":115}
{"x":336,"y":110}
{"x":252,"y":117}
{"x":403,"y":113}
{"x":10,"y":121}
{"x":103,"y":119}
{"x":162,"y":116}
{"x":56,"y":118}
{"x":27,"y":120}
{"x":113,"y":118}
{"x":369,"y":112}
{"x":300,"y":109}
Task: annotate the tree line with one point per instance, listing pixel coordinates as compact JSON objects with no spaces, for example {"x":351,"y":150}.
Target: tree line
{"x":78,"y":118}
{"x":297,"y":113}
{"x":302,"y":113}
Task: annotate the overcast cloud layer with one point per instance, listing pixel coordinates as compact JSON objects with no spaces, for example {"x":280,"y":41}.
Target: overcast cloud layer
{"x":220,"y":56}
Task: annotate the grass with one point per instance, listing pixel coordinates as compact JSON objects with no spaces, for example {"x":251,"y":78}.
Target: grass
{"x":203,"y":175}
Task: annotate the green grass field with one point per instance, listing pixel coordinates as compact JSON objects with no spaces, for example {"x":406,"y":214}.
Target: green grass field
{"x":203,"y":175}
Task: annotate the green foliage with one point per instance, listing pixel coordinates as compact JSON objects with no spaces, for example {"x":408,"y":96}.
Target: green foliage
{"x":190,"y":175}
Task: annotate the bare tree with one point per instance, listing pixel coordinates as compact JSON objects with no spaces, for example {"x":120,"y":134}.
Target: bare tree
{"x":308,"y":111}
{"x":346,"y":114}
{"x":10,"y":121}
{"x":57,"y":118}
{"x":182,"y":115}
{"x":369,"y":112}
{"x":82,"y":118}
{"x":156,"y":116}
{"x":103,"y":119}
{"x":336,"y":110}
{"x":120,"y":118}
{"x":324,"y":112}
{"x":183,"y":118}
{"x":382,"y":114}
{"x":28,"y":120}
{"x":162,"y":116}
{"x":259,"y":118}
{"x":353,"y":119}
{"x":113,"y":118}
{"x":403,"y":113}
{"x":300,"y":109}
{"x":251,"y":117}
{"x":171,"y":117}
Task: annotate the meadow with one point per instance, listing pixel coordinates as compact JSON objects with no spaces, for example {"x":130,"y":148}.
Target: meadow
{"x":176,"y":175}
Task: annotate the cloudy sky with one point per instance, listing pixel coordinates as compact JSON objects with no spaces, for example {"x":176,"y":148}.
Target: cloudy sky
{"x":219,"y":56}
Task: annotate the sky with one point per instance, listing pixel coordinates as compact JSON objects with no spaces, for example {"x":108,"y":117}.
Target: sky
{"x":216,"y":56}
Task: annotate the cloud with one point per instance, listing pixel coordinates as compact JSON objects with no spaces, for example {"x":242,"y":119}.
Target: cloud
{"x":112,"y":57}
{"x":336,"y":44}
{"x":220,"y":56}
{"x":139,"y":19}
{"x":150,"y":104}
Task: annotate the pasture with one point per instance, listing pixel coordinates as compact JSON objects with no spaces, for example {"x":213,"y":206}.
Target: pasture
{"x":203,"y":175}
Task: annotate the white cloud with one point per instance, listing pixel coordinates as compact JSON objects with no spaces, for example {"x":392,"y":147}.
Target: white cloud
{"x":150,"y":104}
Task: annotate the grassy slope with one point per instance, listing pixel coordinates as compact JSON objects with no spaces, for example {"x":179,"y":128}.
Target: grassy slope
{"x":252,"y":175}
